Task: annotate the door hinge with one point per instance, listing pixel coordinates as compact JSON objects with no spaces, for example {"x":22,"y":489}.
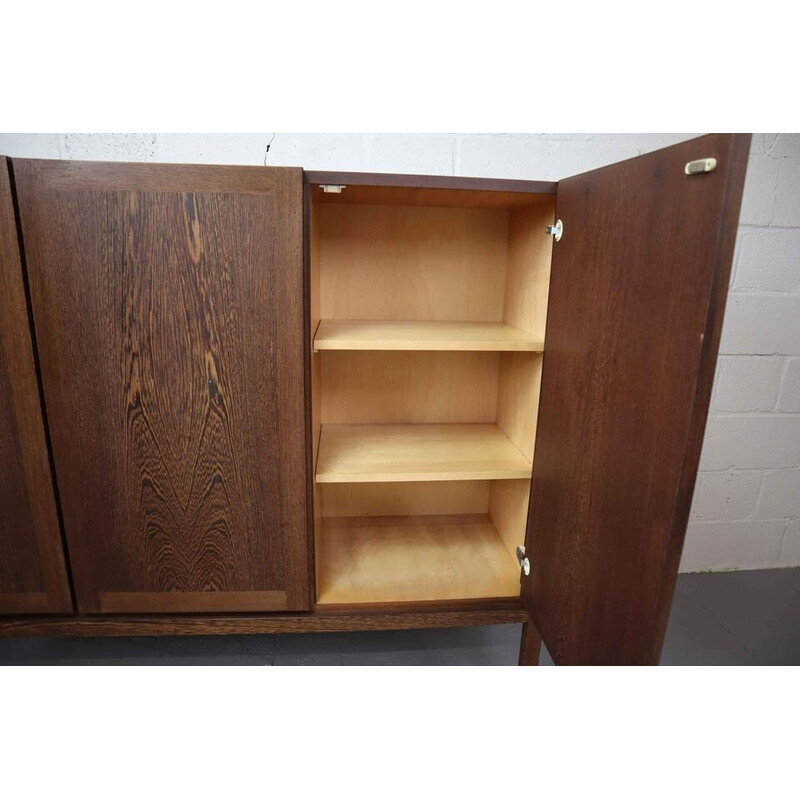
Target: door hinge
{"x":701,"y":165}
{"x":556,"y":230}
{"x":523,"y":560}
{"x":331,"y":188}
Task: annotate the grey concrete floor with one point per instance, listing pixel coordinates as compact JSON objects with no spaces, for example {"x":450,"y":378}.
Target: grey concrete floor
{"x":720,"y":618}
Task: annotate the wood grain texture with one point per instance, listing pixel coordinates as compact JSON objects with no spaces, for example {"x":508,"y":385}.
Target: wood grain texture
{"x":21,"y":602}
{"x":390,"y":453}
{"x":637,"y":290}
{"x":370,"y":618}
{"x":179,"y":602}
{"x":33,"y":578}
{"x":404,"y":559}
{"x":168,"y":302}
{"x":416,"y":335}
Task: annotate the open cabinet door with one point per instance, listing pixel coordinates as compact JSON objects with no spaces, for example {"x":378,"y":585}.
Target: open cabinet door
{"x":637,"y":296}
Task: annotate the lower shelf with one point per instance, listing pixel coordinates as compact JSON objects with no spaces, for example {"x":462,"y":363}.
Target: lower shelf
{"x":396,"y":559}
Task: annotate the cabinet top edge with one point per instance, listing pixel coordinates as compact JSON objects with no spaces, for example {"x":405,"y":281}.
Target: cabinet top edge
{"x":390,"y":179}
{"x":383,"y":179}
{"x":68,"y":174}
{"x":111,"y":163}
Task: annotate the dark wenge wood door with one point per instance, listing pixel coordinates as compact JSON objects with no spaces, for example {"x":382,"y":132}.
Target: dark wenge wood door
{"x":33,"y":579}
{"x":168,"y":305}
{"x":637,"y":295}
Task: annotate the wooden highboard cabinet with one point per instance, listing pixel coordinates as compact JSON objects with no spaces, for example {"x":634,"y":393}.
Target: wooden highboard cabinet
{"x":287,"y":401}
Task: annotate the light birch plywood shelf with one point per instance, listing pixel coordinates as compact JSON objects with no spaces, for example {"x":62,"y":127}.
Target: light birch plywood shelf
{"x":383,"y":453}
{"x":397,"y":559}
{"x":338,"y":334}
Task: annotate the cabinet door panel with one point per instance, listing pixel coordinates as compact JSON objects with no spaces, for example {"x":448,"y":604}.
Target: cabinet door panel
{"x":637,"y":295}
{"x":168,"y":302}
{"x":32,"y":574}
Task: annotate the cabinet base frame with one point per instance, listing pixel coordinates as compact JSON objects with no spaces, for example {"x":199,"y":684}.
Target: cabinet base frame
{"x":334,"y":621}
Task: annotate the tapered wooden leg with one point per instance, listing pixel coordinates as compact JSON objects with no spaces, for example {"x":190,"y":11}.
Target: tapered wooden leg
{"x":529,"y":646}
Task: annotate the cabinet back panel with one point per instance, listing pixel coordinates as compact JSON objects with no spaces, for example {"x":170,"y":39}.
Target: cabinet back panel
{"x":406,"y":386}
{"x":170,"y":325}
{"x":402,"y":262}
{"x":404,"y":499}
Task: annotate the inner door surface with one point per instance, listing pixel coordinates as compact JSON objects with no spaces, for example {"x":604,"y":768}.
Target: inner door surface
{"x":637,"y":295}
{"x":33,"y":578}
{"x":168,"y":305}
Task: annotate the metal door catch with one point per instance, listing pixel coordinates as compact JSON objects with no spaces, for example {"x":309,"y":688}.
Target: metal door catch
{"x":556,"y":230}
{"x":523,"y":560}
{"x":331,"y":188}
{"x":701,"y":165}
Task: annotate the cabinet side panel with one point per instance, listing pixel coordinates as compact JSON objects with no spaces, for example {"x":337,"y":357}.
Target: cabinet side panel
{"x":508,"y":509}
{"x":530,"y":250}
{"x":32,"y":572}
{"x":315,"y":374}
{"x":519,"y":385}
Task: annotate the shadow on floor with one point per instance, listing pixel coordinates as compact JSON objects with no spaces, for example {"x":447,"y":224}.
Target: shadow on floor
{"x":717,"y":618}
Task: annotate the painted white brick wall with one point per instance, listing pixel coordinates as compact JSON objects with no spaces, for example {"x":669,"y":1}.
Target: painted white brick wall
{"x":746,"y":511}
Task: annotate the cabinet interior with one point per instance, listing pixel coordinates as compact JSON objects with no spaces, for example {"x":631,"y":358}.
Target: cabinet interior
{"x":428,"y":312}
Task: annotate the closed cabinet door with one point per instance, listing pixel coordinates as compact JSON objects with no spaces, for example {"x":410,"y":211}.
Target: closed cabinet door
{"x":637,"y":295}
{"x":169,"y":314}
{"x":33,"y":579}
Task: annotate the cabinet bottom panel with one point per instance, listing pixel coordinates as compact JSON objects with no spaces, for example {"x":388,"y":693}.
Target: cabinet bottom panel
{"x":412,"y":559}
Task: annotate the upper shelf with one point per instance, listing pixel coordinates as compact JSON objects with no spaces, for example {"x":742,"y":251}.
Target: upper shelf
{"x":364,"y":334}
